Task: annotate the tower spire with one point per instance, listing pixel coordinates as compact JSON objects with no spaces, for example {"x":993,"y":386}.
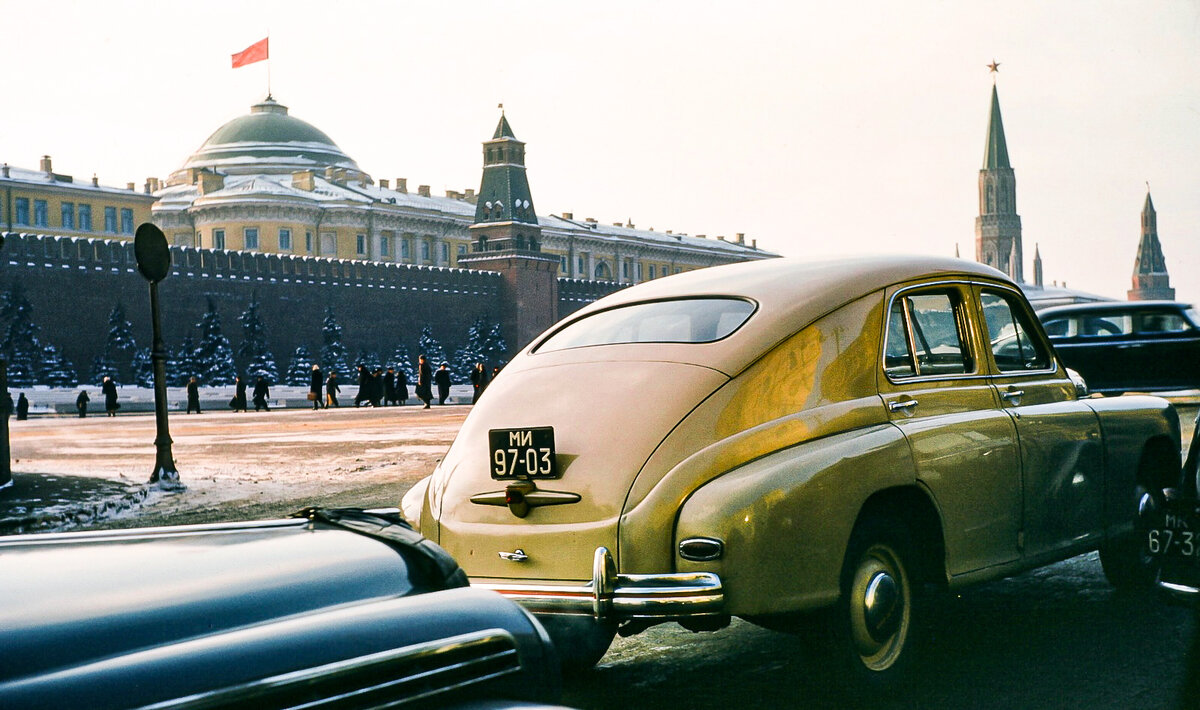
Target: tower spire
{"x":998,"y":226}
{"x":1150,"y":278}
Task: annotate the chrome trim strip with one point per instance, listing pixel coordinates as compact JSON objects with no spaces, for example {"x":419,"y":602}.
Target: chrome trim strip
{"x":1175,"y":588}
{"x":611,"y":596}
{"x":263,"y":690}
{"x":145,"y":533}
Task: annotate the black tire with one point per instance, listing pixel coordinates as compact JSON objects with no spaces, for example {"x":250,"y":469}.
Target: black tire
{"x":876,"y":619}
{"x":1127,"y":563}
{"x":580,"y":640}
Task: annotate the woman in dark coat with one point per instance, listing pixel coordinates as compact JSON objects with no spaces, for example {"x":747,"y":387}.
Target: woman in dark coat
{"x":389,"y":386}
{"x":442,"y":378}
{"x":479,"y":380}
{"x":239,"y":397}
{"x":424,"y":381}
{"x":261,"y":393}
{"x":22,"y":407}
{"x":109,"y":388}
{"x":401,"y":386}
{"x":316,"y":381}
{"x":332,"y":389}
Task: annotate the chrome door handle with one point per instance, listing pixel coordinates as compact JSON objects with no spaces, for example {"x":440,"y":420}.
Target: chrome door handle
{"x":1012,"y":394}
{"x":517,"y":555}
{"x":898,"y":405}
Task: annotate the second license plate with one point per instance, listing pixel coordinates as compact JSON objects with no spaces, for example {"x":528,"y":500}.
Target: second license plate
{"x":523,"y":453}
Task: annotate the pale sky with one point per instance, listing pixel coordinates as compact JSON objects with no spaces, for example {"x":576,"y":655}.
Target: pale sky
{"x":815,"y":128}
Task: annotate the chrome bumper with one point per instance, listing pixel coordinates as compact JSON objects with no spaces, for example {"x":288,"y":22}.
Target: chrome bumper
{"x":620,"y":597}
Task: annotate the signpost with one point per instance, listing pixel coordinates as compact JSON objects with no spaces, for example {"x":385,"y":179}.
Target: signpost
{"x":154,"y":263}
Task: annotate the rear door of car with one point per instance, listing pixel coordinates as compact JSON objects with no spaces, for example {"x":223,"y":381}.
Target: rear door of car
{"x":1062,"y":464}
{"x":936,"y":388}
{"x":1164,"y":348}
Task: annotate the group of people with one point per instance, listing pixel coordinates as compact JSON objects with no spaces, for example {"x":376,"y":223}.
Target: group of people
{"x":375,"y":388}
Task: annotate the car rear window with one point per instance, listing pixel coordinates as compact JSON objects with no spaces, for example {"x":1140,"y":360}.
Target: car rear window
{"x":690,"y":320}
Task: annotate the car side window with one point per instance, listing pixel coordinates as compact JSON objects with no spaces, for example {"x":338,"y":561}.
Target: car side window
{"x":1160,"y":322}
{"x":1014,"y":346}
{"x":924,"y":336}
{"x":1103,"y":325}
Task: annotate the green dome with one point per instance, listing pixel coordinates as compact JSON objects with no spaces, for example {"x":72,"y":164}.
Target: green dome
{"x":268,"y":141}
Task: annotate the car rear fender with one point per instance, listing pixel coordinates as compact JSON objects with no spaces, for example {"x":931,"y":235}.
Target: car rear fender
{"x":784,"y":520}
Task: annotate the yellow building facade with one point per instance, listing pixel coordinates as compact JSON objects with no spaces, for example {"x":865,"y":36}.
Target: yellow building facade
{"x":45,"y":202}
{"x":270,"y":182}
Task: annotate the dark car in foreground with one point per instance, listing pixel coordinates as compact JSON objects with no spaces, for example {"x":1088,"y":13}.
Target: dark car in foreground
{"x":337,"y":608}
{"x":1140,"y":346}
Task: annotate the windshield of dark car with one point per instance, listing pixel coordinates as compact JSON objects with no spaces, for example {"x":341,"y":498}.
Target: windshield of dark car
{"x":691,"y":320}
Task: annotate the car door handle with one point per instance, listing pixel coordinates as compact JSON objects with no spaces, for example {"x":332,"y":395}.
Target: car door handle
{"x":1012,"y":395}
{"x":897,"y":405}
{"x":517,"y":555}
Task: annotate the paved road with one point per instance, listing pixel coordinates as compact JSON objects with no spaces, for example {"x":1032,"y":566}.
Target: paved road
{"x":1059,"y":637}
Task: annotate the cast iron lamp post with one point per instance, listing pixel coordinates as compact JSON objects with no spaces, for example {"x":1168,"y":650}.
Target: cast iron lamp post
{"x":154,"y":263}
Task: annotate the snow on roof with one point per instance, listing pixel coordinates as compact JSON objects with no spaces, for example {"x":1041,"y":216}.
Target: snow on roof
{"x":42,"y":178}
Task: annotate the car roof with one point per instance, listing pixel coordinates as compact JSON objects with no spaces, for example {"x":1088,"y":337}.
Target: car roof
{"x":791,"y":293}
{"x":1111,"y":306}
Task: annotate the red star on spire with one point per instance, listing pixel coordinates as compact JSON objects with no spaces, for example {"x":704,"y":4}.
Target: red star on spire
{"x":994,"y":66}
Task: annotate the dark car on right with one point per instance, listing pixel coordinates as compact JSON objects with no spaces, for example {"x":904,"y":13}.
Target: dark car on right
{"x":1122,"y":346}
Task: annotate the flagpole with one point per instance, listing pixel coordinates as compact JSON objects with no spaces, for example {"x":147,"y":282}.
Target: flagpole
{"x":268,"y":64}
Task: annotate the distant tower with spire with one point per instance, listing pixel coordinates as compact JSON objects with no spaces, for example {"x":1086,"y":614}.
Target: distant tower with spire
{"x":1150,"y":279}
{"x":507,"y":239}
{"x":998,"y":226}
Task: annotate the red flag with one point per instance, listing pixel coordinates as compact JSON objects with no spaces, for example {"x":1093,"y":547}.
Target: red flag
{"x":254,"y":53}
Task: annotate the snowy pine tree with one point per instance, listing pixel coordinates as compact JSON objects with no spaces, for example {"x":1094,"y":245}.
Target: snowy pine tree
{"x":254,"y":351}
{"x":429,"y":346}
{"x":495,"y":350}
{"x":473,"y":351}
{"x":20,"y":347}
{"x":402,"y":361}
{"x":103,"y":367}
{"x":55,"y":370}
{"x":181,"y":364}
{"x":120,"y":347}
{"x":370,"y":359}
{"x":214,"y":356}
{"x":142,"y":368}
{"x":299,"y":370}
{"x":333,"y":353}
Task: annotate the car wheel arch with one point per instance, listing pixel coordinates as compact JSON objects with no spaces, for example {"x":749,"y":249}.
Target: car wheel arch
{"x":914,"y":506}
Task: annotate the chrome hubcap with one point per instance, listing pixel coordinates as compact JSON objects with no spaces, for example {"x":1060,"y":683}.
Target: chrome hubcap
{"x":881,"y":606}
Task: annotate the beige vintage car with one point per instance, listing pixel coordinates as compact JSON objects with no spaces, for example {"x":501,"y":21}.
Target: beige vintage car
{"x":765,"y":439}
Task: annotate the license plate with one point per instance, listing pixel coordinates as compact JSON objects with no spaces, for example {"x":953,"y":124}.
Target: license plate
{"x":1178,"y":536}
{"x":523,"y":453}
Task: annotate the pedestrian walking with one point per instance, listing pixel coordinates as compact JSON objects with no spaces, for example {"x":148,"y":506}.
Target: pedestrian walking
{"x":389,"y":387}
{"x":479,"y":380}
{"x":376,"y":387}
{"x":261,"y":394}
{"x":315,"y":382}
{"x":331,"y":390}
{"x":239,"y":394}
{"x":193,"y":395}
{"x":401,"y":387}
{"x":442,"y":378}
{"x":81,"y":403}
{"x":22,"y":407}
{"x":109,"y":388}
{"x":364,"y":386}
{"x":424,"y":381}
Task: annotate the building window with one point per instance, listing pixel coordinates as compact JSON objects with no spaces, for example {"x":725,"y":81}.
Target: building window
{"x":405,"y":249}
{"x":126,"y":220}
{"x":41,"y":214}
{"x":360,"y":244}
{"x":562,"y":262}
{"x":424,"y":250}
{"x":625,"y":269}
{"x":85,"y":218}
{"x":639,"y":271}
{"x":652,"y":271}
{"x":23,"y":210}
{"x":308,"y":242}
{"x":582,"y":269}
{"x":285,"y":239}
{"x":218,"y":239}
{"x":68,"y":215}
{"x":445,"y":253}
{"x":385,"y":246}
{"x":110,"y":220}
{"x":250,"y":240}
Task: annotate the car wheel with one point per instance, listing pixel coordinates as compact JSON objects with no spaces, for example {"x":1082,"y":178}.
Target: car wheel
{"x":876,"y":616}
{"x":1126,"y":562}
{"x":579,"y":640}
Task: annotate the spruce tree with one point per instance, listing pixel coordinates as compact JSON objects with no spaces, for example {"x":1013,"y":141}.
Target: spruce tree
{"x":142,"y":368}
{"x":495,"y":350}
{"x":56,"y":371}
{"x":181,"y":364}
{"x":120,"y":347}
{"x":103,"y":367}
{"x":254,"y":351}
{"x":21,"y":347}
{"x":333,"y":353}
{"x":214,"y":355}
{"x":431,"y":348}
{"x":299,"y":370}
{"x":402,"y":361}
